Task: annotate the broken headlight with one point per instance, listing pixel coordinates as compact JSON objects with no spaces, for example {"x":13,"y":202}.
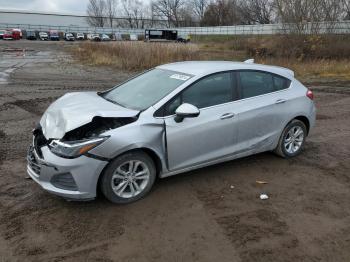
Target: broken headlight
{"x":73,"y":149}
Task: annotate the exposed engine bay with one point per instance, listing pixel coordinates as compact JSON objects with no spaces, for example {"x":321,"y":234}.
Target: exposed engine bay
{"x":96,"y":127}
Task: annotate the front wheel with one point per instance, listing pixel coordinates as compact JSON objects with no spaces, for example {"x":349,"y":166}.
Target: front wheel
{"x":128,"y":178}
{"x":292,"y":139}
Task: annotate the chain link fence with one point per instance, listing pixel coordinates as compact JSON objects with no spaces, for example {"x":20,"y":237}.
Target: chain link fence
{"x":341,"y":27}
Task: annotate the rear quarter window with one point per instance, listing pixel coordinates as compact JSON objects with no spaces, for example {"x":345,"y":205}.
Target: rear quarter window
{"x":280,"y":82}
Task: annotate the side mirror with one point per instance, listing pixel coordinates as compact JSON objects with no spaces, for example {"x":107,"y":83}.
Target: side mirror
{"x":186,"y":111}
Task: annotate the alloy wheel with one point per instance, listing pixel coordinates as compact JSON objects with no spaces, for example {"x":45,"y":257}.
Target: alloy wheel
{"x":130,"y":178}
{"x":294,"y":139}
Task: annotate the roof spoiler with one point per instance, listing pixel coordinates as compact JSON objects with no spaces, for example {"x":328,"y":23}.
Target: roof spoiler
{"x":249,"y":61}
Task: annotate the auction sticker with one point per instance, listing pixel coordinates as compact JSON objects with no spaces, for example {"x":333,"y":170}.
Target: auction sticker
{"x":180,"y":77}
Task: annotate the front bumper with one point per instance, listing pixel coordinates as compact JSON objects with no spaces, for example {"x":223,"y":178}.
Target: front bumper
{"x":69,"y":178}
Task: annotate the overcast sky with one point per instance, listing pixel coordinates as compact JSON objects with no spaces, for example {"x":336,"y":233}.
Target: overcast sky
{"x":64,"y":6}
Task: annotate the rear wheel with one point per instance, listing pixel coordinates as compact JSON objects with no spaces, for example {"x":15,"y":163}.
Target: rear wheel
{"x":128,"y":178}
{"x":292,"y":139}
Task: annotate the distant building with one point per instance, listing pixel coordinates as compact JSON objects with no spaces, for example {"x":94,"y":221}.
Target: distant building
{"x":41,"y":18}
{"x":61,"y":20}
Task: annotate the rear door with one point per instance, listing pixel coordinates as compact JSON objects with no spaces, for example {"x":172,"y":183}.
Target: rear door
{"x":260,"y":109}
{"x":212,"y":134}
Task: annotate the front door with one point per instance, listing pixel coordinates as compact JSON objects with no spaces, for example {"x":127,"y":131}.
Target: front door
{"x":209,"y":136}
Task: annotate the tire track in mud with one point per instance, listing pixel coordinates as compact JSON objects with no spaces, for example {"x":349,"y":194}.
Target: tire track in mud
{"x":259,"y":230}
{"x":35,"y":106}
{"x":6,"y":74}
{"x":36,"y":225}
{"x":40,"y":227}
{"x":75,"y":228}
{"x":2,"y":143}
{"x":258,"y":234}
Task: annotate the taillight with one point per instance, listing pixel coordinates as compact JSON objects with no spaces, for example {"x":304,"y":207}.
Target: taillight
{"x":310,"y":95}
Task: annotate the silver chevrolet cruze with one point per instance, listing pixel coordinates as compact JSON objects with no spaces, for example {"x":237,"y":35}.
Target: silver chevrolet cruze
{"x":168,"y":120}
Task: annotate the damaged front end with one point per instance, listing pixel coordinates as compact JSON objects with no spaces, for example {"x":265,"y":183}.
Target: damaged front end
{"x":79,"y":141}
{"x":60,"y":158}
{"x":74,"y":124}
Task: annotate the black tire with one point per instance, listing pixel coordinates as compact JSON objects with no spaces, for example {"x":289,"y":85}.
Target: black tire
{"x":280,"y":149}
{"x":106,"y":180}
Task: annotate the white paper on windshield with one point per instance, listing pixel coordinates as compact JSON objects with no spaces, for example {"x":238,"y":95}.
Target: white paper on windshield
{"x":180,"y":77}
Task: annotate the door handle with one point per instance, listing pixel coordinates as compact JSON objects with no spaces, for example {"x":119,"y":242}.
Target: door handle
{"x":227,"y":116}
{"x":280,"y":101}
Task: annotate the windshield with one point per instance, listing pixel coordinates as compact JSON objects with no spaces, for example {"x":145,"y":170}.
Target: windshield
{"x":145,"y":90}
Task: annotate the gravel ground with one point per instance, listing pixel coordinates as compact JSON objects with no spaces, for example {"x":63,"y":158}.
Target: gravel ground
{"x":212,"y":214}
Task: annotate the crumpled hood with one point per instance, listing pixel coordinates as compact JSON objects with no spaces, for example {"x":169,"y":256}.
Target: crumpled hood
{"x":77,"y":109}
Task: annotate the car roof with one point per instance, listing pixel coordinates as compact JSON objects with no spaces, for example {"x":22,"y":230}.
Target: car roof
{"x":200,"y":68}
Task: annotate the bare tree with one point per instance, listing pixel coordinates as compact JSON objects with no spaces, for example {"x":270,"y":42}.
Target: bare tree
{"x":96,"y":10}
{"x":257,"y":11}
{"x":330,"y":12}
{"x":296,"y":14}
{"x":111,"y":11}
{"x":134,"y":12}
{"x":199,"y":8}
{"x":309,"y":16}
{"x":222,"y":13}
{"x":170,"y":10}
{"x":346,"y":4}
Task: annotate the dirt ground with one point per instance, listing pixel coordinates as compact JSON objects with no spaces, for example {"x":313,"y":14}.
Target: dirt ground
{"x":213,"y":214}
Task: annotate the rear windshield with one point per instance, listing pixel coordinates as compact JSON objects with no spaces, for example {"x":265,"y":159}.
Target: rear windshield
{"x":147,"y":89}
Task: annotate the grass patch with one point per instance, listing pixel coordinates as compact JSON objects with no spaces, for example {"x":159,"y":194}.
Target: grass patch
{"x":313,"y":69}
{"x":311,"y":57}
{"x":134,"y":56}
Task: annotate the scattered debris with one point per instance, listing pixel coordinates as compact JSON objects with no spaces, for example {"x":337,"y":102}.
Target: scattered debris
{"x":264,"y":196}
{"x":261,"y":182}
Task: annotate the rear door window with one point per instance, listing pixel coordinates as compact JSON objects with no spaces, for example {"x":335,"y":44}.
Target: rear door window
{"x":255,"y":83}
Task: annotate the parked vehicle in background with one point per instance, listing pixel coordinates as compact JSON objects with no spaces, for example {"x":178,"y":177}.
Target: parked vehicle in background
{"x":80,"y":36}
{"x":43,"y":36}
{"x":184,"y":38}
{"x":31,"y":35}
{"x":54,"y":35}
{"x":18,"y":33}
{"x":169,"y":120}
{"x":11,"y":35}
{"x":2,"y":32}
{"x":118,"y":37}
{"x":156,"y":35}
{"x":8,"y":35}
{"x":105,"y":37}
{"x":69,"y":37}
{"x":133,"y":37}
{"x":95,"y":37}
